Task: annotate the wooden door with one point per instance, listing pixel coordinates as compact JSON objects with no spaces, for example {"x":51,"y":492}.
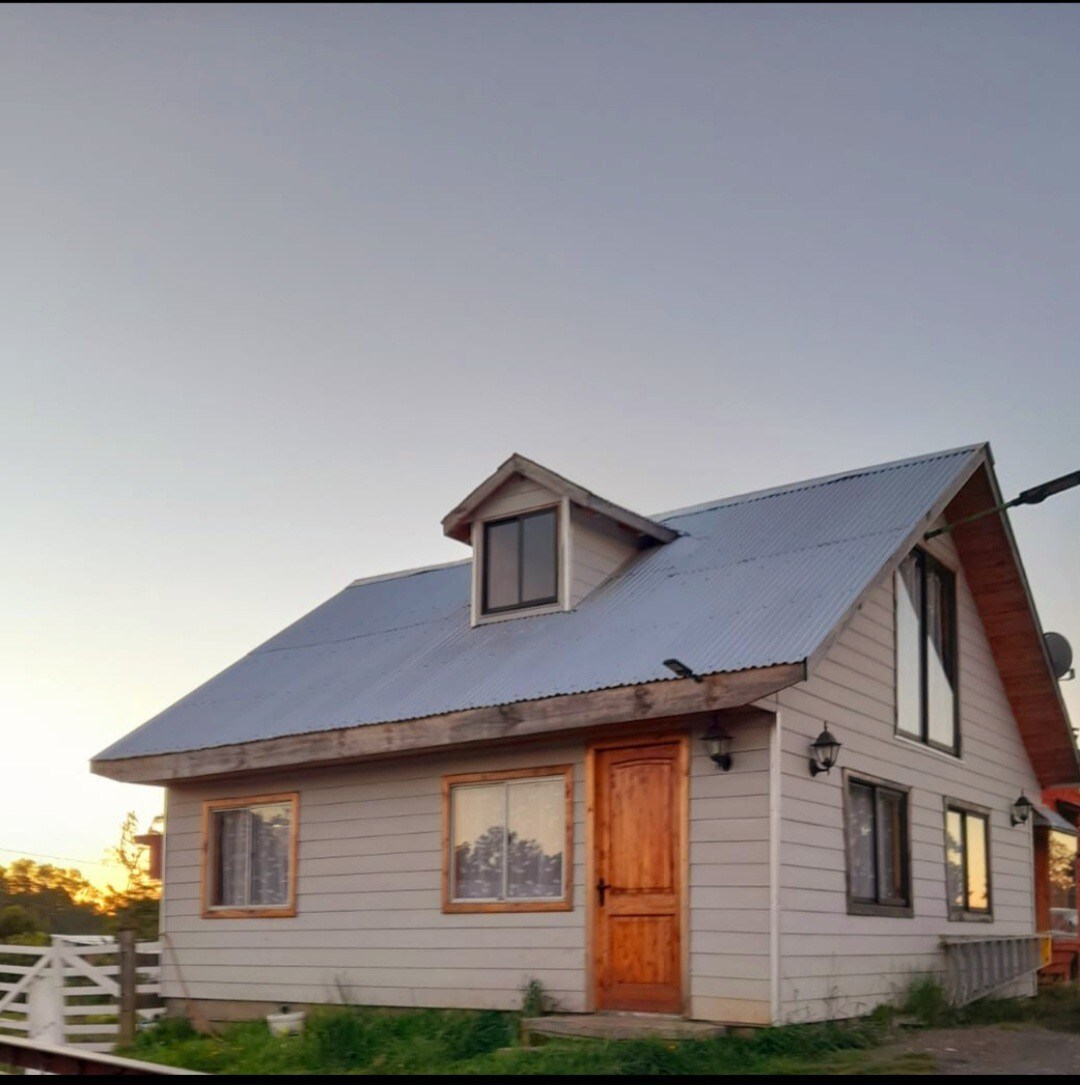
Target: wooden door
{"x":639,"y":835}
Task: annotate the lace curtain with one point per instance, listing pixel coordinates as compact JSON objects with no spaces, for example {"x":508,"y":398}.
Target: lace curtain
{"x":253,"y":855}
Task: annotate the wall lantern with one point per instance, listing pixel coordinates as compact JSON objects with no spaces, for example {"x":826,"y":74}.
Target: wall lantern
{"x":1021,"y":809}
{"x":716,"y":741}
{"x":823,"y":751}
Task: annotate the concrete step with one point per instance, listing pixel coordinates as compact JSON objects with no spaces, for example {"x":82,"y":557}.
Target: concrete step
{"x":618,"y":1026}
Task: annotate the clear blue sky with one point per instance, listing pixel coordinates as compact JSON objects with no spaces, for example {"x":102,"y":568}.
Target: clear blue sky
{"x":279,"y":285}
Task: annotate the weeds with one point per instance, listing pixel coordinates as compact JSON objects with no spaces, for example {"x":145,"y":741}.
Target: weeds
{"x":535,"y":1001}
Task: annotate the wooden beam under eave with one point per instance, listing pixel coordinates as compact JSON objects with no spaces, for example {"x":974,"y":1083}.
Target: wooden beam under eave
{"x":471,"y":727}
{"x":995,"y":575}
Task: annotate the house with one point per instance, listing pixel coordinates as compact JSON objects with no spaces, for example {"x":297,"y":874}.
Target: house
{"x":755,"y":761}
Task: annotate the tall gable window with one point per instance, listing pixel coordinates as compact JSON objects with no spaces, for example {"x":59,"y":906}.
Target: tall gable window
{"x":878,"y":851}
{"x":249,"y":849}
{"x":926,"y":701}
{"x":521,"y":562}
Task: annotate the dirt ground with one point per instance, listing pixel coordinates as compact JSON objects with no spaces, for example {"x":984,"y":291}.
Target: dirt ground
{"x":995,"y":1049}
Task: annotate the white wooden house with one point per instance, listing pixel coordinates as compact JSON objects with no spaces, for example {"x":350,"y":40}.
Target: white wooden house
{"x":586,"y":756}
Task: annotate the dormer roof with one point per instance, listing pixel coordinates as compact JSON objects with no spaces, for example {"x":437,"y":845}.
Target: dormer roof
{"x":456,"y":523}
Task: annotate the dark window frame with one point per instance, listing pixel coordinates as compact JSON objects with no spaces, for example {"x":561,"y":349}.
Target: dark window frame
{"x":485,"y":609}
{"x":926,"y":562}
{"x":861,"y":905}
{"x":965,"y":914}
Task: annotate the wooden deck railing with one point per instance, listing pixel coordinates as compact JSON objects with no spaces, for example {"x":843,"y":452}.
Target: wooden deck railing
{"x":976,"y":965}
{"x":70,"y":1061}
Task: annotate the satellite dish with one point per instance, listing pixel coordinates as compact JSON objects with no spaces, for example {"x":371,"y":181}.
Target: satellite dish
{"x":1061,"y":654}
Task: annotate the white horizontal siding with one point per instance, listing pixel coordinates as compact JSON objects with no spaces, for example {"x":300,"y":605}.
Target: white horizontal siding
{"x":516,"y":495}
{"x":835,"y":964}
{"x":369,"y":926}
{"x":598,"y":549}
{"x":729,"y":878}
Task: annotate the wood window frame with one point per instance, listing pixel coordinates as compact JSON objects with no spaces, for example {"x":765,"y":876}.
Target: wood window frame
{"x":926,"y":561}
{"x":548,"y":601}
{"x":965,"y":914}
{"x":860,"y":906}
{"x":565,"y":903}
{"x":255,"y":911}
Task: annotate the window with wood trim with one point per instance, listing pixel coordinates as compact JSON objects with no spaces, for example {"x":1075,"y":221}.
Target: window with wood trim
{"x":508,"y":841}
{"x":927,"y":707}
{"x":520,"y":562}
{"x":878,"y":847}
{"x":967,"y":861}
{"x":249,"y":856}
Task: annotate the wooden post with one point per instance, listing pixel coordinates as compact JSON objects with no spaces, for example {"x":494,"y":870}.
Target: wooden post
{"x":125,"y":941}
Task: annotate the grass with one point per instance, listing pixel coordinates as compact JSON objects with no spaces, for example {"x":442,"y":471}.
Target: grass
{"x":1055,"y":1007}
{"x":464,"y":1042}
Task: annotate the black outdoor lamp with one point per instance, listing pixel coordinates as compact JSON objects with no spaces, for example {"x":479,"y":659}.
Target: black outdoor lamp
{"x":823,"y":751}
{"x":1021,"y":809}
{"x":716,"y":740}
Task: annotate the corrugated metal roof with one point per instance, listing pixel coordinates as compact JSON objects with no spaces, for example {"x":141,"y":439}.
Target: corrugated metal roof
{"x":752,"y":581}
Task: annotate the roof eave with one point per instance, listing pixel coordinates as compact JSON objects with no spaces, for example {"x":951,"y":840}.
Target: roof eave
{"x":663,"y":699}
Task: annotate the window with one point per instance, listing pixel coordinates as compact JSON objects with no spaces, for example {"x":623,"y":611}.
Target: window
{"x":1061,"y":856}
{"x":521,"y":562}
{"x":250,"y":856}
{"x":926,"y":702}
{"x":878,"y":852}
{"x":508,"y":841}
{"x":967,"y":861}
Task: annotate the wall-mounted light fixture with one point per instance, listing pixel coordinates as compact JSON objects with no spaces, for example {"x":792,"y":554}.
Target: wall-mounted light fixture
{"x":1021,"y":809}
{"x":716,"y":745}
{"x":681,"y":669}
{"x":823,"y":751}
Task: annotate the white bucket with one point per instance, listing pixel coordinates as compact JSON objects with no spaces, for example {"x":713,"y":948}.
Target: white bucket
{"x":286,"y":1023}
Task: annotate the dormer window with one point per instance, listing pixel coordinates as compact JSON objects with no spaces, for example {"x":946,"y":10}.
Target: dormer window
{"x":521,"y":561}
{"x":542,"y":543}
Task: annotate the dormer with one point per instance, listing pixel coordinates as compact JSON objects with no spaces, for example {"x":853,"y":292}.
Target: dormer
{"x":542,"y":543}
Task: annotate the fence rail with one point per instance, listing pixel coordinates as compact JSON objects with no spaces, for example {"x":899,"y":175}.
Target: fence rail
{"x":86,"y":991}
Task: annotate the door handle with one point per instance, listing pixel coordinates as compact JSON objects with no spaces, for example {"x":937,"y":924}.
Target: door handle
{"x":601,"y":888}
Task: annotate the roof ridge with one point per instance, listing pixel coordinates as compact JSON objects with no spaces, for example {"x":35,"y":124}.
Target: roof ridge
{"x":812,"y":483}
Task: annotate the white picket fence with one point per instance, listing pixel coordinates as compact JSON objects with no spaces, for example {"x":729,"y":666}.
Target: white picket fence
{"x":69,"y":992}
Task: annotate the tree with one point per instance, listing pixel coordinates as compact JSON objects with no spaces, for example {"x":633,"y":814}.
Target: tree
{"x":137,"y":904}
{"x":58,"y":901}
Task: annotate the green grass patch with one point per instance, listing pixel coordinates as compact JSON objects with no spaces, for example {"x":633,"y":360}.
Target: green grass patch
{"x":453,"y":1042}
{"x":1054,"y":1007}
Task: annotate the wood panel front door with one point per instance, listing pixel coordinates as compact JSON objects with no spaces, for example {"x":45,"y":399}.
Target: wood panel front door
{"x":639,"y":836}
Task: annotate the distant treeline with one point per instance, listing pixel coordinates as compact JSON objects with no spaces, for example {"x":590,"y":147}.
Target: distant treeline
{"x":38,"y":899}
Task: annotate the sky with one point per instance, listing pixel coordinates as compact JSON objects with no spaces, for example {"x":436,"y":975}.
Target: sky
{"x":279,"y":285}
